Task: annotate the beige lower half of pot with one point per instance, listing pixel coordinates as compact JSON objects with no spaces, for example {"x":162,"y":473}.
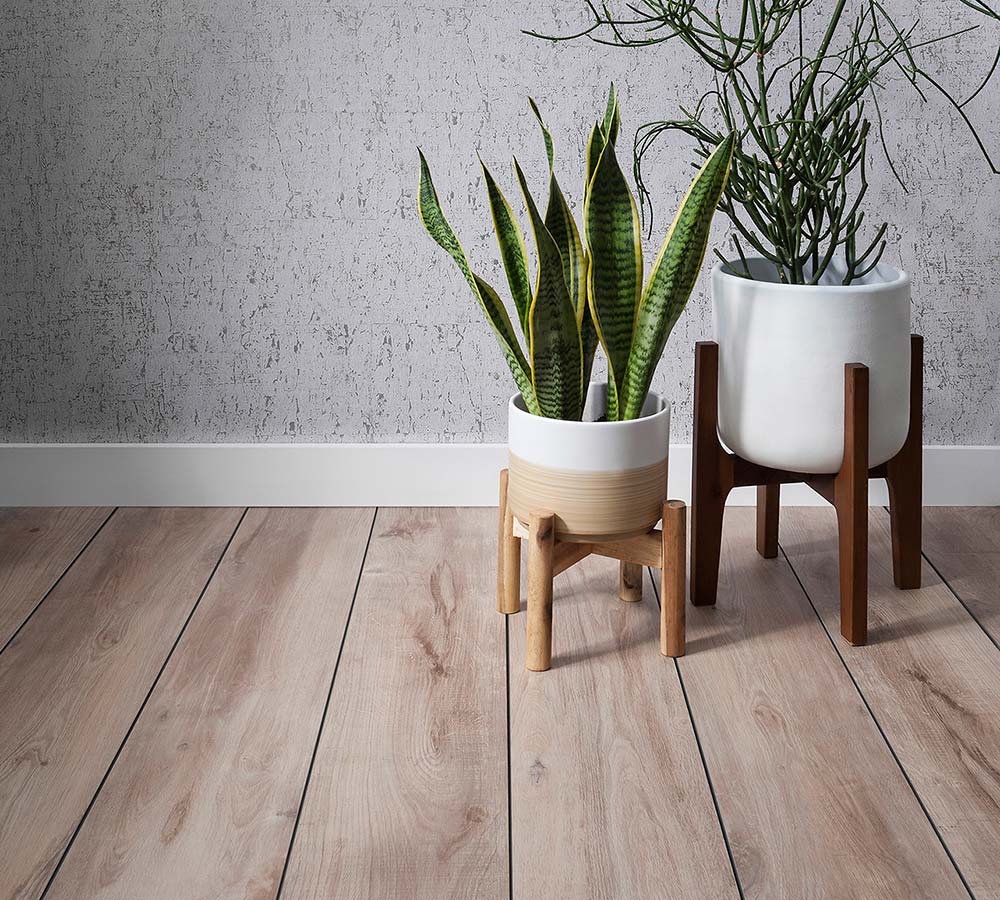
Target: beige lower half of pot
{"x":589,"y":506}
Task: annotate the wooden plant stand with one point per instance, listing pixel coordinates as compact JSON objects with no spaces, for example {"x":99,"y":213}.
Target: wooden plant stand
{"x":717,"y":472}
{"x":548,"y":556}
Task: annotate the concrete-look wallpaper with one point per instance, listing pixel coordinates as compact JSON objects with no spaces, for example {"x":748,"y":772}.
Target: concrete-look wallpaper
{"x":208,"y":231}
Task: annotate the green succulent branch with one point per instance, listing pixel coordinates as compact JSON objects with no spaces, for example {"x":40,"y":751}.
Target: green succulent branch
{"x":803,"y":115}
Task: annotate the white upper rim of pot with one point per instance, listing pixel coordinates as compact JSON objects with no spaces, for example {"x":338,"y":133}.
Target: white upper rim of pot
{"x":589,"y":446}
{"x":888,"y":277}
{"x":661,"y":408}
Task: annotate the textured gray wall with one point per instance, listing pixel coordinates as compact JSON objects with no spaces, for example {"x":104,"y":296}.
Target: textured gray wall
{"x":207,"y":224}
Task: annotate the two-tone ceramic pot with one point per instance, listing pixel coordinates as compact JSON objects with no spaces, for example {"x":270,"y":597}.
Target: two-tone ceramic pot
{"x":601,"y":480}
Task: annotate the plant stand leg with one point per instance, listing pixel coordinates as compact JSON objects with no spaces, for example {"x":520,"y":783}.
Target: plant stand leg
{"x":541,"y":542}
{"x":673,"y":578}
{"x":904,"y":478}
{"x":850,"y":494}
{"x":501,"y":541}
{"x":508,"y":557}
{"x":706,"y":548}
{"x":629,"y":582}
{"x":711,"y":481}
{"x":768,"y":506}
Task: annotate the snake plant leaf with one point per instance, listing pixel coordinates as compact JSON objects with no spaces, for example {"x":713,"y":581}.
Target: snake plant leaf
{"x":588,"y":335}
{"x":437,"y":226}
{"x":611,"y":226}
{"x":512,"y":250}
{"x":549,"y":150}
{"x":562,"y":226}
{"x":519,"y":366}
{"x":554,"y":337}
{"x":612,"y":117}
{"x":595,"y":147}
{"x":674,"y":273}
{"x":588,"y":332}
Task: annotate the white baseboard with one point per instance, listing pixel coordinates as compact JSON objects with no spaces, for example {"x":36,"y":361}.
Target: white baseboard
{"x":365,"y":475}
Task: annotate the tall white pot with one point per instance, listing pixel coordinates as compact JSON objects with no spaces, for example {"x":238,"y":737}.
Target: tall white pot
{"x":782,"y":351}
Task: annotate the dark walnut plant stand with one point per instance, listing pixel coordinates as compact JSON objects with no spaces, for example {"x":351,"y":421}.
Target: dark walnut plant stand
{"x":548,"y":556}
{"x":717,"y":472}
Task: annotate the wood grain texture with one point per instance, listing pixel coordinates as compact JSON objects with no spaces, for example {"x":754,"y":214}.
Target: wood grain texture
{"x":813,"y":802}
{"x":589,"y":505}
{"x":711,"y":477}
{"x":610,"y":799}
{"x":932,"y":678}
{"x":565,"y":555}
{"x":630,"y":578}
{"x":673,"y":578}
{"x":408,"y":795}
{"x":904,"y":480}
{"x":203,"y":800}
{"x":850,"y":497}
{"x":964,"y":546}
{"x":541,"y":546}
{"x":508,"y":556}
{"x":502,"y":539}
{"x":73,"y":679}
{"x":36,"y":546}
{"x":768,"y":513}
{"x":642,"y":549}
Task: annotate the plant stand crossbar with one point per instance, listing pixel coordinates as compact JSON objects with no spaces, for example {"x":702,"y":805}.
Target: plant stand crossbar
{"x":717,"y":472}
{"x":548,"y":556}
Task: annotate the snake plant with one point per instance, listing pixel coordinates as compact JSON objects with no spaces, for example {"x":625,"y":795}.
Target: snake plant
{"x":587,"y":290}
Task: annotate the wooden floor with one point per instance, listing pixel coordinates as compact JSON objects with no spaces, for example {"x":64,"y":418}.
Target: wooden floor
{"x":323,"y":703}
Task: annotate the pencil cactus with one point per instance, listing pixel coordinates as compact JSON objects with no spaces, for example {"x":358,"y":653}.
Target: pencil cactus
{"x":587,"y":290}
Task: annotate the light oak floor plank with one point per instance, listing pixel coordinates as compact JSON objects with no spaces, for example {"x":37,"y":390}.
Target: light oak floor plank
{"x":932,"y":680}
{"x":36,"y":547}
{"x":74,"y":678}
{"x":963,"y":544}
{"x":813,"y":802}
{"x":408,"y":794}
{"x":203,"y":799}
{"x":609,"y":795}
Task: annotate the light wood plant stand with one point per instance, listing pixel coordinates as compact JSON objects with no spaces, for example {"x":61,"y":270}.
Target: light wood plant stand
{"x":717,"y":472}
{"x":664,"y":549}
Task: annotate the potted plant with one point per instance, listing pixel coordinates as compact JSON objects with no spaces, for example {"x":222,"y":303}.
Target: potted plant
{"x":593,"y":455}
{"x":805,"y":290}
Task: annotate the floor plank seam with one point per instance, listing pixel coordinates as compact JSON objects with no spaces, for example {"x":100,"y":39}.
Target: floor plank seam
{"x":704,"y":761}
{"x":878,"y":725}
{"x":510,"y":790}
{"x":961,"y":602}
{"x":142,"y":706}
{"x":326,"y":709}
{"x":55,"y":583}
{"x":955,"y":594}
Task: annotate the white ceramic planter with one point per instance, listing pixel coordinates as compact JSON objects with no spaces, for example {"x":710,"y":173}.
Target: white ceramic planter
{"x":782,"y":351}
{"x":601,"y":480}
